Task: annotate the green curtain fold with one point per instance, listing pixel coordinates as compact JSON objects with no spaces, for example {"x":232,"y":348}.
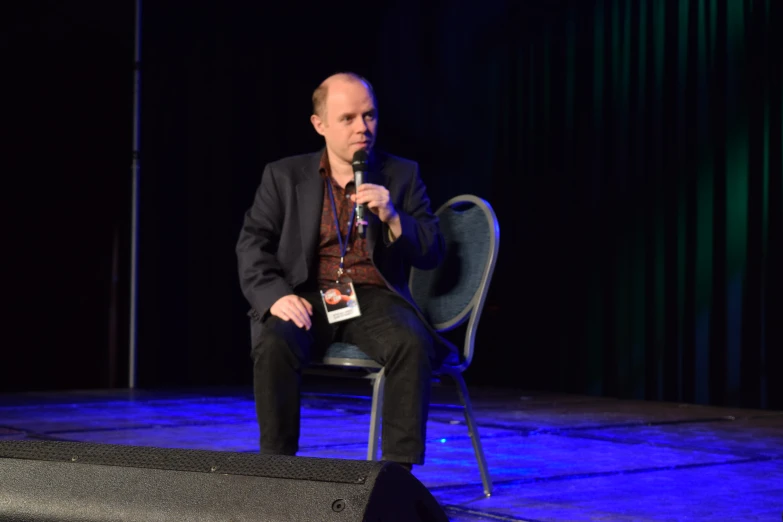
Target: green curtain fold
{"x":664,"y":117}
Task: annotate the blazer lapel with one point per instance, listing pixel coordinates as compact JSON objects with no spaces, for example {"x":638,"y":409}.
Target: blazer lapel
{"x":374,"y":227}
{"x":309,"y":198}
{"x":375,"y":177}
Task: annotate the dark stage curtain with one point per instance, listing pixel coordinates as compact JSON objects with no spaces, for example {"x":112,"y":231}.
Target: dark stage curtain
{"x":65,"y":135}
{"x":654,"y":131}
{"x":657,"y":126}
{"x":631,"y":149}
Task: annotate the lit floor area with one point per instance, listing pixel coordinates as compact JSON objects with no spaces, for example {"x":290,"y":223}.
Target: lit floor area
{"x":553,"y":457}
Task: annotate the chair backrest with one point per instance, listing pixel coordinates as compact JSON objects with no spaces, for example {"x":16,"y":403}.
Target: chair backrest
{"x":455,"y":291}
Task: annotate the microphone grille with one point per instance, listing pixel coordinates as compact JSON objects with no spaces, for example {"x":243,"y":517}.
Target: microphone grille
{"x":360,"y":158}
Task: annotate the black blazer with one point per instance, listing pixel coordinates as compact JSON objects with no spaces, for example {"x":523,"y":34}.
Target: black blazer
{"x":277,"y":249}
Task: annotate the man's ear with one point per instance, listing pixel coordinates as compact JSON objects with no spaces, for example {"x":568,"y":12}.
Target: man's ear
{"x":318,"y":124}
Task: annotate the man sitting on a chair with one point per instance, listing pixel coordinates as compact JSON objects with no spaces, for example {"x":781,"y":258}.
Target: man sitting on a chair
{"x":315,"y":273}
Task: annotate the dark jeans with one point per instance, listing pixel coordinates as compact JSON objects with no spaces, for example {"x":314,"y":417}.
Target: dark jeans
{"x":388,"y":331}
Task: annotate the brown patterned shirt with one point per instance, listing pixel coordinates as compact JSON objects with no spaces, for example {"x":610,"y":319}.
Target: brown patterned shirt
{"x":357,"y":264}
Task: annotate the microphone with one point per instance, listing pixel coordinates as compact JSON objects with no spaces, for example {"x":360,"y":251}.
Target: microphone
{"x":359,"y":164}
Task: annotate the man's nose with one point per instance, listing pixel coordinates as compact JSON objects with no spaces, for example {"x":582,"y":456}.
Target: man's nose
{"x":362,"y":126}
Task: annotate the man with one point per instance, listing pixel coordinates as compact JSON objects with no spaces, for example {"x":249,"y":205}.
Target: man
{"x":291,"y":254}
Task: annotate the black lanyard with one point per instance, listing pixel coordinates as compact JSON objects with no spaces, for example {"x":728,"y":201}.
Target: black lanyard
{"x":343,"y":245}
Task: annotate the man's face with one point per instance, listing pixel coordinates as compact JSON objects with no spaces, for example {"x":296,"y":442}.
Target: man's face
{"x":350,"y":120}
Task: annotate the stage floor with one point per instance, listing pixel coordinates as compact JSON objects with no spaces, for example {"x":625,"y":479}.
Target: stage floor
{"x":553,"y":457}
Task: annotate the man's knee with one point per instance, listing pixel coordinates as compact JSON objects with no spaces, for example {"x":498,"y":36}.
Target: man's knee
{"x":414,"y":345}
{"x":278,"y":339}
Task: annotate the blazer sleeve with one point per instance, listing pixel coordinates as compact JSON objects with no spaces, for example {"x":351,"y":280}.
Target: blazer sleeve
{"x":421,"y":242}
{"x":261,"y":277}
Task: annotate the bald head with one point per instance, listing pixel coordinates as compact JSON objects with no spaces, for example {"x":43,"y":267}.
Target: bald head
{"x":338,"y":82}
{"x":344,"y":113}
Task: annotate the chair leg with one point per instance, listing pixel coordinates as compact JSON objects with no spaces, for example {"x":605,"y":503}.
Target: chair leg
{"x":375,"y":416}
{"x":462,"y":389}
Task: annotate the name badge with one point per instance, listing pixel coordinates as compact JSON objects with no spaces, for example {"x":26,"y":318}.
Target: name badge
{"x":340,"y":302}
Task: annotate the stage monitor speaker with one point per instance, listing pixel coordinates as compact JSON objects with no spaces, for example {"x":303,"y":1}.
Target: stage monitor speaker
{"x":85,"y":482}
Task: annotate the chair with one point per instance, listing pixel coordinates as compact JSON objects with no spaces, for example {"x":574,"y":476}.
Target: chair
{"x":449,"y":295}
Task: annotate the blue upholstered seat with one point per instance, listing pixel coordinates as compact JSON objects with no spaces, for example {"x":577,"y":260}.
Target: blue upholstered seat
{"x":449,"y":296}
{"x":345,"y":351}
{"x":353,"y":352}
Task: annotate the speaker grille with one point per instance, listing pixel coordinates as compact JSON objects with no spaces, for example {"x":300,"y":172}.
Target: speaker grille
{"x":200,"y":461}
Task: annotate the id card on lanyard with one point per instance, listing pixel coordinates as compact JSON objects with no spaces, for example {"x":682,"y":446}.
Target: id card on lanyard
{"x":339,"y":298}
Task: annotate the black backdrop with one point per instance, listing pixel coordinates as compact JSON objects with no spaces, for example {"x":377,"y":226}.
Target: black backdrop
{"x":66,"y":140}
{"x":631,"y":149}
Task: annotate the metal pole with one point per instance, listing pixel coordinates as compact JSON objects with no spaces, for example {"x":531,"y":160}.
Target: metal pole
{"x":135,"y":204}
